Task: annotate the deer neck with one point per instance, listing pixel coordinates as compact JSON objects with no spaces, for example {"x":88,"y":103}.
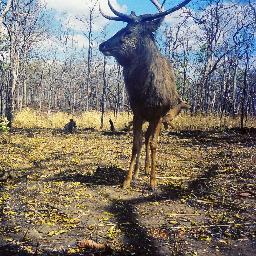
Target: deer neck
{"x":144,"y":55}
{"x":150,"y":52}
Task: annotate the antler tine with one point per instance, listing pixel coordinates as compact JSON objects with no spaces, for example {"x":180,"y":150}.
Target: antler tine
{"x":122,"y":16}
{"x":162,"y":14}
{"x":157,"y":5}
{"x":109,"y":17}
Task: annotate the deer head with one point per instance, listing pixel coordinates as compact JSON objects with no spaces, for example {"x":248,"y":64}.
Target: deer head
{"x":126,"y":44}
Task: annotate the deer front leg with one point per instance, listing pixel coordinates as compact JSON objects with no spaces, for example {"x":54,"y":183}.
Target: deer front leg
{"x":137,"y":141}
{"x":147,"y":146}
{"x":137,"y":164}
{"x":156,"y":127}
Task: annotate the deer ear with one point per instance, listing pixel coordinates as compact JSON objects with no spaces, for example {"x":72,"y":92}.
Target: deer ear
{"x":153,"y":25}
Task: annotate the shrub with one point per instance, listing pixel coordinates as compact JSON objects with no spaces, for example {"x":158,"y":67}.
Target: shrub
{"x":4,"y":124}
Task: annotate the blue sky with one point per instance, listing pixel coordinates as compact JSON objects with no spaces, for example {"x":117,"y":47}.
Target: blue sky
{"x":66,"y":12}
{"x":145,"y":6}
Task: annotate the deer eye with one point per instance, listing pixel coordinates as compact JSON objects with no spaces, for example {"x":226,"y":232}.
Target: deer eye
{"x":127,"y":33}
{"x":122,"y":40}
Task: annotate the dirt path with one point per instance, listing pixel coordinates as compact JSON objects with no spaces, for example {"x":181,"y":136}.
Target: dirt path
{"x":57,"y":189}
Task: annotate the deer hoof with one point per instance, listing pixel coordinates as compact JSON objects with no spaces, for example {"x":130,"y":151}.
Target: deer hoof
{"x":126,"y":184}
{"x":147,"y":171}
{"x":153,"y":185}
{"x":135,"y":176}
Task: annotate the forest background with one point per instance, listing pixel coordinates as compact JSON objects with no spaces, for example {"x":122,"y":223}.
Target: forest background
{"x":49,"y":57}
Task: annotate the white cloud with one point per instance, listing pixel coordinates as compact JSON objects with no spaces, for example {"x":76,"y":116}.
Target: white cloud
{"x":74,"y":6}
{"x":116,"y":5}
{"x":79,"y":41}
{"x":69,"y":12}
{"x":49,"y":44}
{"x":74,"y":23}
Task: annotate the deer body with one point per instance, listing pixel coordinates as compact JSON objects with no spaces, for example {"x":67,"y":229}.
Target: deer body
{"x":149,"y":80}
{"x":150,"y":85}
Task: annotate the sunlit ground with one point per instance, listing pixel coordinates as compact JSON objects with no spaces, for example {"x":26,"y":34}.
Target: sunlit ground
{"x":60,"y":189}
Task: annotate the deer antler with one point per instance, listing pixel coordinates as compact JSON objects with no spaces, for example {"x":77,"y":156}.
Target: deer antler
{"x":123,"y":16}
{"x":157,"y":5}
{"x":109,"y":17}
{"x":146,"y":17}
{"x":149,"y":17}
{"x":120,"y":16}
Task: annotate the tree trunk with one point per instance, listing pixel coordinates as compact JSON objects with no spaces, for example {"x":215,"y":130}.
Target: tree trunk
{"x":103,"y":98}
{"x":244,"y":91}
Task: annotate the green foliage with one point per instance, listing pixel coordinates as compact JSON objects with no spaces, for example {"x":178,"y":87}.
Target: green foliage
{"x":4,"y":125}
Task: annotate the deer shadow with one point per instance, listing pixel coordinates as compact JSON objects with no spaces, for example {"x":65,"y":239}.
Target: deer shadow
{"x":108,"y":176}
{"x":196,"y":189}
{"x":215,"y":138}
{"x":137,"y":238}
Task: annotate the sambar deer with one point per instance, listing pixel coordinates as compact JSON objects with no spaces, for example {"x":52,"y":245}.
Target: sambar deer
{"x":149,"y":79}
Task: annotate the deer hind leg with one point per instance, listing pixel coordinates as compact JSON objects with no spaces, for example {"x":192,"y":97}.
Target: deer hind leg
{"x":156,"y":127}
{"x":137,"y":143}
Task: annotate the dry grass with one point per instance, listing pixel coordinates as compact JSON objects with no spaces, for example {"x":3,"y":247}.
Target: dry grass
{"x":209,"y":122}
{"x":29,"y":118}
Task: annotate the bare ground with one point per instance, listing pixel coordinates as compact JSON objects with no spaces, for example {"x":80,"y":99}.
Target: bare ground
{"x":57,"y":190}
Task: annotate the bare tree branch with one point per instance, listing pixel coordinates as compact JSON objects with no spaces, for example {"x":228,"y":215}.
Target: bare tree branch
{"x":4,"y":12}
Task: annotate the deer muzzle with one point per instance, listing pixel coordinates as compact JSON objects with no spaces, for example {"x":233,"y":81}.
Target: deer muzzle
{"x":105,"y":49}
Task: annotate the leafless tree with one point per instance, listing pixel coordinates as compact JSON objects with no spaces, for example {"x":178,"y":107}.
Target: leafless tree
{"x":23,"y":30}
{"x":4,"y":9}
